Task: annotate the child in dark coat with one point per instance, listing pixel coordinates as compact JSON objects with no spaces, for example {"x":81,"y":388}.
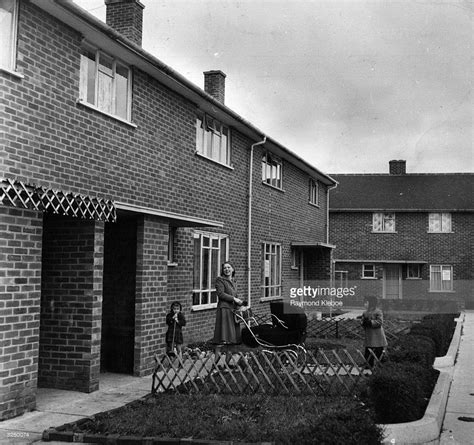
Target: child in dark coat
{"x":174,"y":335}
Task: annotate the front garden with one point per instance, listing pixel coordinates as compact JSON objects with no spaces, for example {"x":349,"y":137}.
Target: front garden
{"x":329,"y":399}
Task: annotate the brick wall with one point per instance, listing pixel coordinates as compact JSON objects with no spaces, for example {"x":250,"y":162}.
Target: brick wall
{"x":20,"y":290}
{"x":71,"y":304}
{"x":352,"y":234}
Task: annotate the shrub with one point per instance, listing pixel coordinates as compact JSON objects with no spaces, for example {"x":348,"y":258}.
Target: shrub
{"x":412,"y":349}
{"x":432,"y":332}
{"x":401,"y":391}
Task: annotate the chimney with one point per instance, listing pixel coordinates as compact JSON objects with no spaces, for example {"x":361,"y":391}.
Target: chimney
{"x":214,"y":84}
{"x":126,"y":17}
{"x":398,"y":167}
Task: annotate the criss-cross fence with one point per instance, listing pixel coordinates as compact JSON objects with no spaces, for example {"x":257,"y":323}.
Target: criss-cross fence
{"x":350,"y":328}
{"x":260,"y":370}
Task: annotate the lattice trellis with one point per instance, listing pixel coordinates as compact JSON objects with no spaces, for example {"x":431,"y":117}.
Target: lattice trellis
{"x":18,"y":194}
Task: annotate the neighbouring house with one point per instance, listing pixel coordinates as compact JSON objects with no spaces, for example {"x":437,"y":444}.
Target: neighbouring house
{"x":124,"y":187}
{"x":405,"y":236}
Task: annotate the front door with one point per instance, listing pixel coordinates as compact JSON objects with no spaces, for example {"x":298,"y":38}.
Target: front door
{"x":392,"y":281}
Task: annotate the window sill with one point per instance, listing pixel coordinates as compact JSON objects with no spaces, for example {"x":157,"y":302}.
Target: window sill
{"x":98,"y":110}
{"x":12,"y":73}
{"x":172,"y":264}
{"x":294,"y":268}
{"x":413,"y":278}
{"x":313,"y":204}
{"x":273,"y":187}
{"x":383,"y":231}
{"x":203,"y":307}
{"x":368,"y":278}
{"x":439,"y":232}
{"x":264,"y":299}
{"x":213,"y":160}
{"x":442,"y":291}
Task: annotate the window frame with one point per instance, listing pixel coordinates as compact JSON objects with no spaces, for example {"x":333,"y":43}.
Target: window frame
{"x":272,"y":166}
{"x":441,"y":215}
{"x":171,"y":246}
{"x":366,"y":268}
{"x":210,"y":290}
{"x":386,"y":218}
{"x":210,"y":129}
{"x":272,"y":289}
{"x":10,"y":65}
{"x":313,"y":192}
{"x":102,"y":71}
{"x":416,"y":273}
{"x":341,"y":278}
{"x":442,"y":267}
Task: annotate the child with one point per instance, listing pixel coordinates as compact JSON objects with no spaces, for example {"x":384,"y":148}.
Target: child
{"x":372,"y":322}
{"x":174,"y":336}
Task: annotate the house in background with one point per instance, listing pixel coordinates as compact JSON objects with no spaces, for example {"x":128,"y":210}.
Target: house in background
{"x":404,"y":235}
{"x":123,"y":188}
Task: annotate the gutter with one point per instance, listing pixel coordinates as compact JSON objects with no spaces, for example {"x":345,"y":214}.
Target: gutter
{"x":249,"y":222}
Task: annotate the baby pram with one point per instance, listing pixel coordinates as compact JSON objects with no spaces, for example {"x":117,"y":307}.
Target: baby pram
{"x":286,"y":331}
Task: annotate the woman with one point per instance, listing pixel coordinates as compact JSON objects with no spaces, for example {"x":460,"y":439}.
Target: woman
{"x":226,"y":331}
{"x":375,"y":340}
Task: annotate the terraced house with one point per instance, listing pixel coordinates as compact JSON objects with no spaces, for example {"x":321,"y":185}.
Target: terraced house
{"x":405,"y":236}
{"x":124,"y":187}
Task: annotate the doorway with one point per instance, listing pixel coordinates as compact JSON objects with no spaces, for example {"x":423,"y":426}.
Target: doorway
{"x":118,"y":306}
{"x":392,"y":281}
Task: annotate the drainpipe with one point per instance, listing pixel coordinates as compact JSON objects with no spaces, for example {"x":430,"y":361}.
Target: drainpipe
{"x":331,"y":271}
{"x":249,"y":222}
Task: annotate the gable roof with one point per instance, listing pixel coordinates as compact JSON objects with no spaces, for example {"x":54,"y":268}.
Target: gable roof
{"x":407,"y":192}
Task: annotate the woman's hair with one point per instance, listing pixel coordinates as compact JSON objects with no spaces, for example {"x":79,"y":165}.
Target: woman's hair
{"x":176,"y":303}
{"x":231,"y":265}
{"x":372,"y":301}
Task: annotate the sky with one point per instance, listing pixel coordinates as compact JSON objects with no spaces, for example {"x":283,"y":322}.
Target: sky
{"x":346,"y":85}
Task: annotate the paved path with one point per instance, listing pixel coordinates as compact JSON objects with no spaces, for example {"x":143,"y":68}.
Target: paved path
{"x":461,"y":395}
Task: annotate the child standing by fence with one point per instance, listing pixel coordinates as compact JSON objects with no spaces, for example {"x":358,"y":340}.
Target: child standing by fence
{"x":174,"y":335}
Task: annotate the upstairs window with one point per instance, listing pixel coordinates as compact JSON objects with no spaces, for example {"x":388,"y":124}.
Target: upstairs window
{"x":313,"y":192}
{"x":271,"y":170}
{"x":439,"y":222}
{"x":212,"y":139}
{"x":383,"y":222}
{"x":8,"y":29}
{"x":105,"y":83}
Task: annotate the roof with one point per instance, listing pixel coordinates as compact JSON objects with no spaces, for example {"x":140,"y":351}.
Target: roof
{"x":407,"y":192}
{"x":96,"y":31}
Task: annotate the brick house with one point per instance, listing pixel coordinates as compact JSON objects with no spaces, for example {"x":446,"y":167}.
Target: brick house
{"x":404,"y":236}
{"x":124,"y":186}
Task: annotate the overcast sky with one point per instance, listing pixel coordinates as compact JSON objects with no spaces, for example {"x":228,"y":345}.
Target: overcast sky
{"x":346,"y":85}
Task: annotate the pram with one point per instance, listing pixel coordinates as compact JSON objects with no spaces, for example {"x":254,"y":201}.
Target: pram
{"x":286,"y":331}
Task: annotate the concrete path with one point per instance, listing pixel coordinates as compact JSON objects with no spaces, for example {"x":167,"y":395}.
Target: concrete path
{"x":55,"y":407}
{"x":458,"y":425}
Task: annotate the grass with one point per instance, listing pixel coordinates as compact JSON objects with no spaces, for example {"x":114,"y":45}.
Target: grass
{"x":253,"y":418}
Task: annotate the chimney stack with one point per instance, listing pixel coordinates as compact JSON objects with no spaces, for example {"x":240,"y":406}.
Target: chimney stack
{"x":214,"y":84}
{"x":398,"y":167}
{"x":126,"y":17}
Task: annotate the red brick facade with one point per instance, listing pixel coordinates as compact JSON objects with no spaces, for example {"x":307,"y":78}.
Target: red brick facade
{"x":80,"y":295}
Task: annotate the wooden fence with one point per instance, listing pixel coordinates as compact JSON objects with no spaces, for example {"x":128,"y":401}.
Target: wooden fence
{"x":290,"y":371}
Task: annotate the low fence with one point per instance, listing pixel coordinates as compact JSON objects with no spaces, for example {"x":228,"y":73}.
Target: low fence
{"x":287,"y":371}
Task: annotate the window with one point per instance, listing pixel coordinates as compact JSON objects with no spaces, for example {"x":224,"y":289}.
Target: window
{"x":413,"y":271}
{"x":271,"y":270}
{"x":210,"y":251}
{"x":341,"y":278}
{"x":313,"y":192}
{"x":212,"y":139}
{"x":271,"y":170}
{"x":295,"y":258}
{"x":105,"y":83}
{"x":8,"y":22}
{"x":383,"y":222}
{"x":368,"y":271}
{"x":439,"y":222}
{"x":171,"y":243}
{"x":441,"y":278}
